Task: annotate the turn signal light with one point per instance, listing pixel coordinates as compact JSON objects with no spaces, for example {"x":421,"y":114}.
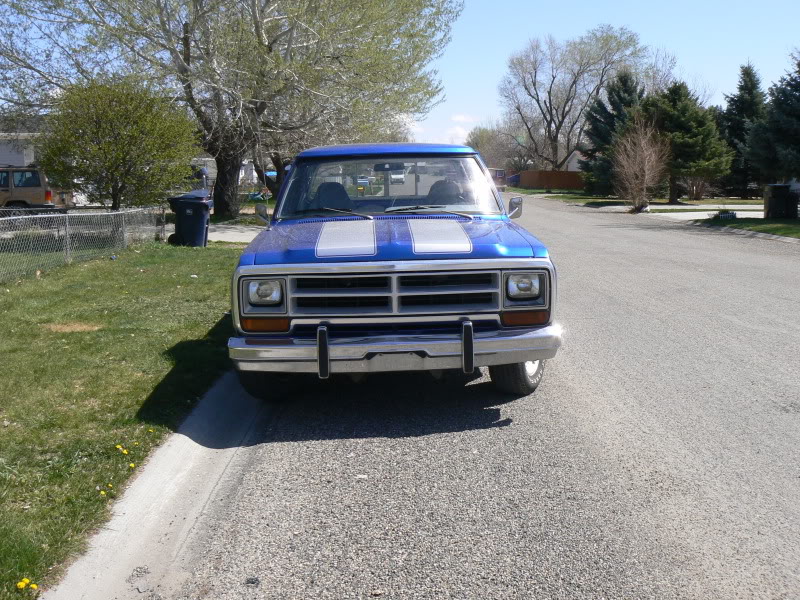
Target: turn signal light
{"x":265,"y":324}
{"x":525,"y":317}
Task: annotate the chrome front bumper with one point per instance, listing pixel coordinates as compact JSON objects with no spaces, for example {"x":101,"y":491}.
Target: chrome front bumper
{"x":394,"y":353}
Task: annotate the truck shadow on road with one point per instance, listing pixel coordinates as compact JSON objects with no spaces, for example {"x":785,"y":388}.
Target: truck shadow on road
{"x":383,"y":406}
{"x":304,"y":408}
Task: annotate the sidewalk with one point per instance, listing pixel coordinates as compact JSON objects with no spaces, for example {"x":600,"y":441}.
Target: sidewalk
{"x":227,"y":233}
{"x":233,"y":233}
{"x":681,"y":208}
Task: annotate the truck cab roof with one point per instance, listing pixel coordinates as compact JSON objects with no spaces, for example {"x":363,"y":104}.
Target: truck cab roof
{"x":356,"y":150}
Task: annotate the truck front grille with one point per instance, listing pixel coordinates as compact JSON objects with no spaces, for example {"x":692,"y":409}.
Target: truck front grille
{"x":394,"y":294}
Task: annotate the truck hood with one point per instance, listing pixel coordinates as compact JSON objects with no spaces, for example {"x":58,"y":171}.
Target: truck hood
{"x":391,"y":238}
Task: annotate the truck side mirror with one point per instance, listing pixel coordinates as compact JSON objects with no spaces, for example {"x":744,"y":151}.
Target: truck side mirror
{"x":262,"y":212}
{"x":515,"y":208}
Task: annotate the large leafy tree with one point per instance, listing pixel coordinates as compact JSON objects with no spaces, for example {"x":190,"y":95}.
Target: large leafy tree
{"x":496,"y":148}
{"x":604,"y":120}
{"x":774,"y":143}
{"x":744,"y":109}
{"x":550,"y":86}
{"x":696,"y":148}
{"x":264,"y":75}
{"x":118,"y":141}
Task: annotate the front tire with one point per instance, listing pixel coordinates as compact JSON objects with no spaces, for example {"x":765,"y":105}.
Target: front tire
{"x":519,"y":379}
{"x":269,"y":387}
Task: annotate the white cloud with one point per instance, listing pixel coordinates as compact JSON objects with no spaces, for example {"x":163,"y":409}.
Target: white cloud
{"x":460,"y":118}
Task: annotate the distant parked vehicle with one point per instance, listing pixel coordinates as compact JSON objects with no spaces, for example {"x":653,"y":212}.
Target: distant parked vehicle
{"x":397,"y":177}
{"x":27,"y":187}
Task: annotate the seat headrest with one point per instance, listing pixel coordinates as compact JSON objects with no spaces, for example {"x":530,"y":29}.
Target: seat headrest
{"x":333,"y":195}
{"x":444,"y":191}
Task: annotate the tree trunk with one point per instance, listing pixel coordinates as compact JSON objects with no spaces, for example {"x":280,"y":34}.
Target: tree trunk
{"x":744,"y":184}
{"x":280,"y":172}
{"x":116,"y":197}
{"x":226,"y":187}
{"x":673,"y":189}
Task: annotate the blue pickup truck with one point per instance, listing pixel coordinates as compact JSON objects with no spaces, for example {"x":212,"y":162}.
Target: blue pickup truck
{"x":425,"y":274}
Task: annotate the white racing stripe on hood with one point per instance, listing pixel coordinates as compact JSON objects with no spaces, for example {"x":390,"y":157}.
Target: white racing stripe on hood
{"x":347,"y":238}
{"x":438,"y":236}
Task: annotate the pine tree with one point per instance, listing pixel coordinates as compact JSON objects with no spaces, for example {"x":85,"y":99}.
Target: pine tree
{"x":604,"y":120}
{"x":745,"y":108}
{"x":774,"y":143}
{"x":696,"y":148}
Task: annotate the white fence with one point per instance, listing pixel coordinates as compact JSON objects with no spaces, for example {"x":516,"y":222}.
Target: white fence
{"x":33,"y":243}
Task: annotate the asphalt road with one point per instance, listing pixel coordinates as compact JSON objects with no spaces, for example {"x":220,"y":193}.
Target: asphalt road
{"x":659,"y":458}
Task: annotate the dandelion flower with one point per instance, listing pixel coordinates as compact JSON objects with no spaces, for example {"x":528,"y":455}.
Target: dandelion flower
{"x":135,"y":443}
{"x":132,"y":465}
{"x":26,"y":580}
{"x":34,"y":586}
{"x":102,"y":492}
{"x":150,"y":430}
{"x":21,"y":585}
{"x":111,"y":486}
{"x":118,"y":447}
{"x":124,"y":451}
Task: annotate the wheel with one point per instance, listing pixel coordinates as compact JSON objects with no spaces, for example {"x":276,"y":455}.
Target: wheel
{"x":519,"y":379}
{"x":173,"y":239}
{"x":265,"y":386}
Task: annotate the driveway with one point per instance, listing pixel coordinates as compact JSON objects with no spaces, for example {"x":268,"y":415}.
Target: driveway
{"x":659,"y":458}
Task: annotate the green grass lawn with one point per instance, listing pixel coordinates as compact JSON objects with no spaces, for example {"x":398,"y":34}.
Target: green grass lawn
{"x":528,"y":191}
{"x":715,"y":201}
{"x":700,"y":210}
{"x":98,"y":357}
{"x":785,"y":227}
{"x":598,"y":201}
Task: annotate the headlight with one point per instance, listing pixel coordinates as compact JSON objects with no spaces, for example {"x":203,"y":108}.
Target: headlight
{"x":524,"y":286}
{"x":268,"y":292}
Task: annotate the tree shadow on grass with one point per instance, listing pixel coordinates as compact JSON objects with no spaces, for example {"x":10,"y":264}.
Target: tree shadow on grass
{"x":196,"y":365}
{"x":602,"y":203}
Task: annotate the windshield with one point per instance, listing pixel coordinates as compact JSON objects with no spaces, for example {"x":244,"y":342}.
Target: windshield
{"x":386,"y":185}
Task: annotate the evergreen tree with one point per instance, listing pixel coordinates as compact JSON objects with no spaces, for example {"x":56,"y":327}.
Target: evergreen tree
{"x":696,"y":148}
{"x":746,"y":107}
{"x":604,"y":120}
{"x":774,"y":143}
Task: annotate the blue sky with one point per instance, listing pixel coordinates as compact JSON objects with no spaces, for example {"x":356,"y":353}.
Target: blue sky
{"x":710,"y":39}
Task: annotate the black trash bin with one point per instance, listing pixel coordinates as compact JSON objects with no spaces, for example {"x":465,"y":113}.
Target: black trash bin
{"x":780,"y":202}
{"x":192,"y":215}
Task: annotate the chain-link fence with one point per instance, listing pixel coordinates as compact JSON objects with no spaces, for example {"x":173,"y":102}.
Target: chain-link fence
{"x":37,"y":242}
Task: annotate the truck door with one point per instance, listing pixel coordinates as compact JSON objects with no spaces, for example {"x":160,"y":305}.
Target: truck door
{"x":27,"y":187}
{"x":5,"y":188}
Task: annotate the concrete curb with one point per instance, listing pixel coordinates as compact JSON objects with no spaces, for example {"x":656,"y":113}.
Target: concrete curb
{"x":144,"y":544}
{"x":744,"y":232}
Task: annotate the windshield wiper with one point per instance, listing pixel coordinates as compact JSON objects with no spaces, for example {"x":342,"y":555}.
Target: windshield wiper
{"x":345,"y":211}
{"x":424,"y":207}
